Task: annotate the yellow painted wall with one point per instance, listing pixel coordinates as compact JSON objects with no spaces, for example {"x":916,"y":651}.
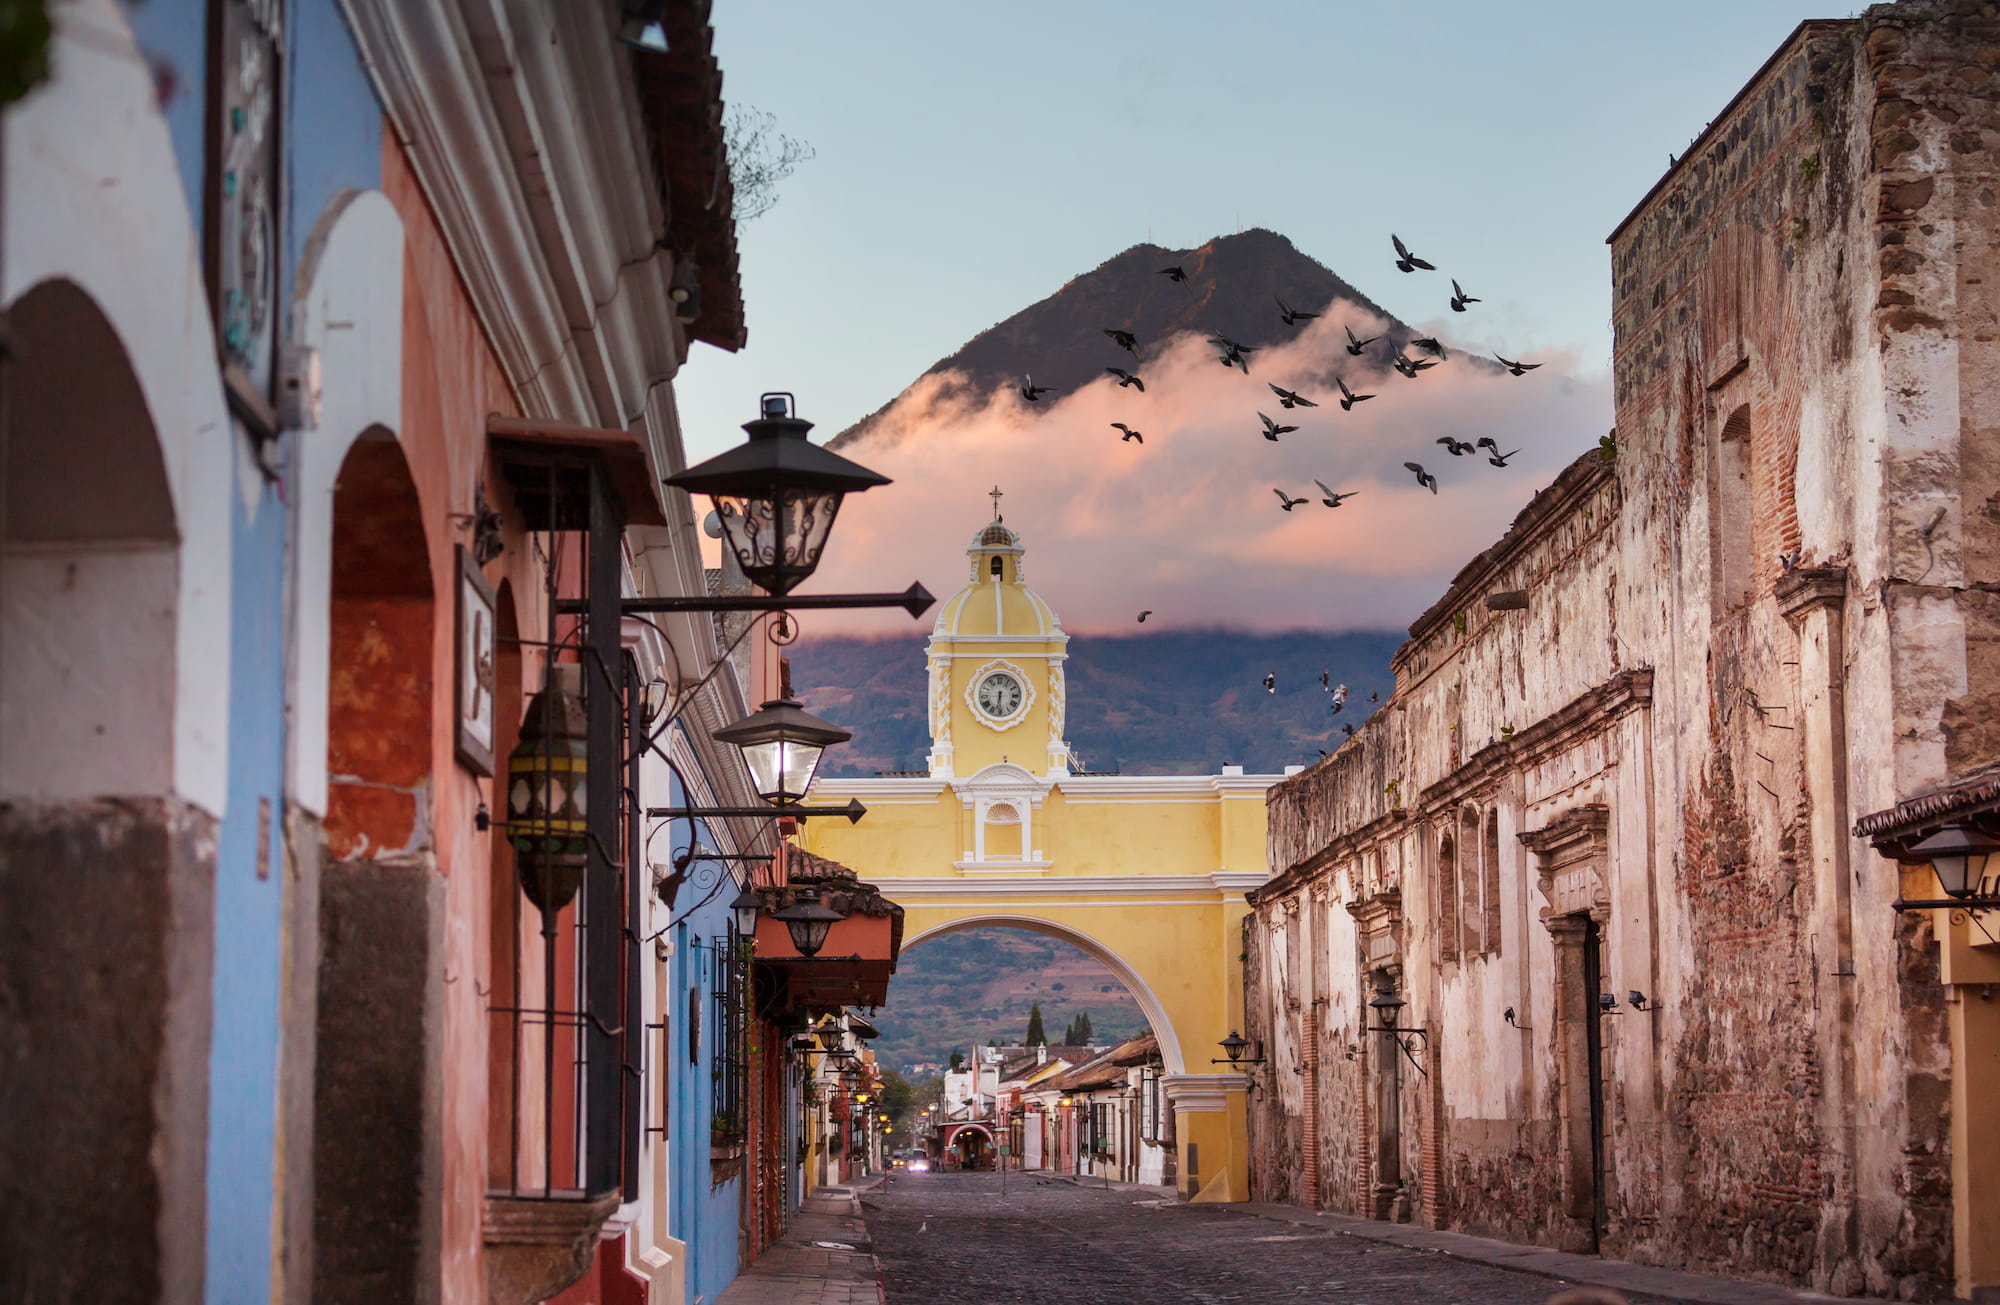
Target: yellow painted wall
{"x":1145,"y":873}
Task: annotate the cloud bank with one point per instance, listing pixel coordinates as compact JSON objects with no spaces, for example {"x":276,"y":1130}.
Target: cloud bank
{"x":1186,"y":523}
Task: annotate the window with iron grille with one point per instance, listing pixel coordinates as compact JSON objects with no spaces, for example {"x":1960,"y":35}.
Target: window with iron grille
{"x":1100,"y":1127}
{"x":1149,"y":1105}
{"x":728,"y":1066}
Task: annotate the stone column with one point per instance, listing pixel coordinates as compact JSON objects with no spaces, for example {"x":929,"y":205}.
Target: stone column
{"x":1211,"y":1124}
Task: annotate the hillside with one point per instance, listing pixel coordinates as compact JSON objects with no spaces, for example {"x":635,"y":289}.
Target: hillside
{"x":1232,"y":286}
{"x":1178,"y":702}
{"x":956,"y":992}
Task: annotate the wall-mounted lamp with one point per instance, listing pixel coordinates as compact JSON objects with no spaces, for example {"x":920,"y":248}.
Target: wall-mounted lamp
{"x":744,"y":910}
{"x":1233,"y":1047}
{"x":1607,"y":1004}
{"x":1637,"y":1000}
{"x":1958,"y":855}
{"x":1508,"y":1015}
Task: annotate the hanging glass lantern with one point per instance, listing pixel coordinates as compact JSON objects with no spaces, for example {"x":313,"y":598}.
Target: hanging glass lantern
{"x":776,"y":496}
{"x":781,"y":743}
{"x":745,"y":909}
{"x":546,"y":774}
{"x":807,"y":921}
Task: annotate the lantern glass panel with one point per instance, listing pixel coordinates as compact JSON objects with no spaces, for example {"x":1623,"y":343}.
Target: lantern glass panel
{"x":778,"y":535}
{"x":782,"y":769}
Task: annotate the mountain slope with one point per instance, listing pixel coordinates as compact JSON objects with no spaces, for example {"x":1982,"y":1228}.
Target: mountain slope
{"x":1232,"y":288}
{"x":1176,"y":702}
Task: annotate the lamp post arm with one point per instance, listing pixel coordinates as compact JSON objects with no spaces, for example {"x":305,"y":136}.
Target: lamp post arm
{"x":916,"y":600}
{"x":853,"y":811}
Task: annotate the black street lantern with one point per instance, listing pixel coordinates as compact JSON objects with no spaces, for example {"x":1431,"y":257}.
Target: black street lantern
{"x":1958,"y":856}
{"x":782,"y":743}
{"x":546,"y":773}
{"x":1234,"y":1046}
{"x":1387,"y":1007}
{"x":777,"y":495}
{"x":807,"y":921}
{"x":745,"y":909}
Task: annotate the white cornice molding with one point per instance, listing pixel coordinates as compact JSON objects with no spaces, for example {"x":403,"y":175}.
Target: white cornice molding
{"x":528,"y":145}
{"x":897,"y":887}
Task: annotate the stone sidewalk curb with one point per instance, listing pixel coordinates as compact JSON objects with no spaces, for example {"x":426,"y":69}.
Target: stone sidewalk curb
{"x":1584,"y":1270}
{"x":1099,"y":1185}
{"x":824,"y":1257}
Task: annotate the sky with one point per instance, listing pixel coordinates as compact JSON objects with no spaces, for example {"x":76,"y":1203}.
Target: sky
{"x":971,"y":158}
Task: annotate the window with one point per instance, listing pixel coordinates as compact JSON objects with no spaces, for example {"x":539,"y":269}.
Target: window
{"x":1100,"y":1127}
{"x":1472,"y":909}
{"x":1447,"y":899}
{"x":1732,"y":510}
{"x":729,"y":1095}
{"x":1490,"y":863}
{"x":1149,"y":1105}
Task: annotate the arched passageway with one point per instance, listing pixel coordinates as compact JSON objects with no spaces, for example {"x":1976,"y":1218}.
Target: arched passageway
{"x":376,"y":1146}
{"x":1149,"y":1004}
{"x":106,"y":874}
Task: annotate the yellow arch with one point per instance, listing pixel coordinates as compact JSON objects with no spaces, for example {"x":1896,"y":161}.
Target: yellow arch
{"x":1142,"y":992}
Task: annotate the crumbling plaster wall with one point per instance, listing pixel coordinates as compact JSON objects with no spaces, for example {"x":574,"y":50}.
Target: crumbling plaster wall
{"x":1752,"y":624}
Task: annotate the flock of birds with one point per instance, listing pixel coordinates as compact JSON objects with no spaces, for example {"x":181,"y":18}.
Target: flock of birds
{"x":1233,"y":353}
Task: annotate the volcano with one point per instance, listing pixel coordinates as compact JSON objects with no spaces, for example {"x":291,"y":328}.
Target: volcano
{"x":1233,"y":287}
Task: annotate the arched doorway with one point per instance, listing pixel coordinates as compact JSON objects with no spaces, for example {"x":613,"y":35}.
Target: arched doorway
{"x":106,"y":873}
{"x":376,"y":1144}
{"x":970,"y":1147}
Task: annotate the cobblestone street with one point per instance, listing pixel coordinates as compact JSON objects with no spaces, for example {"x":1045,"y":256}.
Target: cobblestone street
{"x":953,"y":1238}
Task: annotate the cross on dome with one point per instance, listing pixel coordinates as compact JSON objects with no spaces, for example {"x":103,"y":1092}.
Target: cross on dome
{"x":995,"y":496}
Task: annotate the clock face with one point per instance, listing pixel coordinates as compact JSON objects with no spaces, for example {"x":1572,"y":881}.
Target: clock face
{"x":999,"y":695}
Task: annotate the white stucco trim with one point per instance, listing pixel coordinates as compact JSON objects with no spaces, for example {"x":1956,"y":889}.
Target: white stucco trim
{"x":1149,"y":1004}
{"x":348,"y":305}
{"x":1202,"y":1093}
{"x":94,"y":198}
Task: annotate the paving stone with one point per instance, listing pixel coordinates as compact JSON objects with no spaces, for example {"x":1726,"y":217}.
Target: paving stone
{"x":953,"y":1239}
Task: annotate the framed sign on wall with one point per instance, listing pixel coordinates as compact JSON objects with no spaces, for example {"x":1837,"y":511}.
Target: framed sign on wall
{"x":475,"y":666}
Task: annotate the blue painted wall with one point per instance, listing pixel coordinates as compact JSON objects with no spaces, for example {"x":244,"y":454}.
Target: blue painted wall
{"x":702,"y":1213}
{"x":333,"y":143}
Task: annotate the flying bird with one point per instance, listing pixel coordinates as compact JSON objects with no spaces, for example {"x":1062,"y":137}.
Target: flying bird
{"x":1333,"y":708}
{"x":1373,"y":696}
{"x":1291,"y":398}
{"x":1499,"y":459}
{"x":1457,"y":448}
{"x":1333,"y":499}
{"x":1424,"y":478}
{"x":1517,"y":368}
{"x":1410,"y":366}
{"x":1459,"y":299}
{"x":1429,"y":344}
{"x":1272,"y":430}
{"x":1355,"y":346}
{"x":1126,"y":378}
{"x":1292,"y":315}
{"x":1031,"y":391}
{"x":1129,"y":434}
{"x":1340,"y":693}
{"x":1271,"y":681}
{"x":1407,"y":261}
{"x":1288,"y":501}
{"x":1348,"y":398}
{"x":1232,"y":352}
{"x":1143,"y":615}
{"x":1326,"y":679}
{"x":1175,"y":273}
{"x":1348,"y":730}
{"x":1124,"y":340}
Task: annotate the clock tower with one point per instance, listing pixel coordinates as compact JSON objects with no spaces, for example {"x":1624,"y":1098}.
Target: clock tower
{"x":996,"y":668}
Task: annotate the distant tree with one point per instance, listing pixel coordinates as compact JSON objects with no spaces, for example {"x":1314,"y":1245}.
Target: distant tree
{"x":1084,"y":1033}
{"x":1056,"y":987}
{"x":759,"y":158}
{"x":957,"y":1061}
{"x":1036,"y":1036}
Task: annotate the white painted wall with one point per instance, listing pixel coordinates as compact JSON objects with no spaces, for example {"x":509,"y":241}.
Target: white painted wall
{"x":111,"y":217}
{"x":348,"y":306}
